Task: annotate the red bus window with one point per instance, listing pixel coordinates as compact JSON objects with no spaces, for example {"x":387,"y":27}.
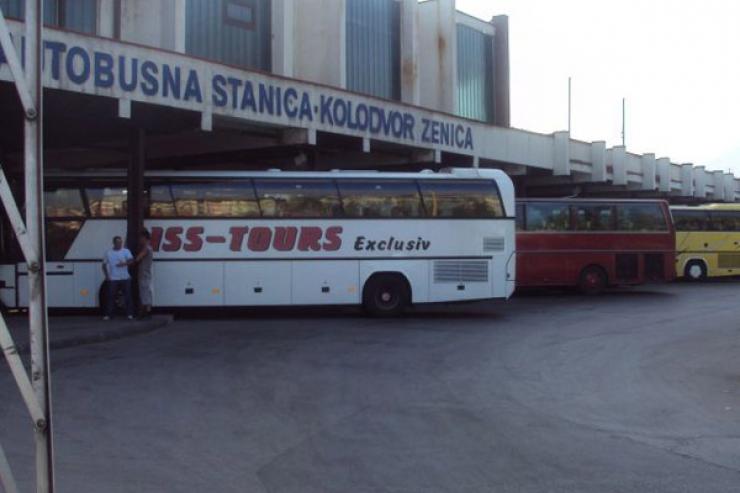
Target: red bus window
{"x":641,"y":217}
{"x":548,"y":216}
{"x":594,"y":217}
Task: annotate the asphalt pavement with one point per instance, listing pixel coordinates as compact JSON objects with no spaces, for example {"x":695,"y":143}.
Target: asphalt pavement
{"x":635,"y":391}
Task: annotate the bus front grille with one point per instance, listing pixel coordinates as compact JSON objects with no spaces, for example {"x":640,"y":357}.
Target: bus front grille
{"x":460,"y":271}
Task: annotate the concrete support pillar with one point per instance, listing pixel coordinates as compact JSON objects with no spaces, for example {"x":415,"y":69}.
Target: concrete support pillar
{"x":320,"y":46}
{"x":649,"y":181}
{"x":501,"y":72}
{"x":283,"y":28}
{"x":598,"y":161}
{"x":663,"y":166}
{"x":731,"y":185}
{"x":700,"y":182}
{"x":180,"y":14}
{"x":718,"y":181}
{"x":561,"y":157}
{"x":159,"y":24}
{"x":687,"y":180}
{"x":410,"y":90}
{"x":106,"y":18}
{"x":135,"y":194}
{"x":447,"y":45}
{"x":619,"y":165}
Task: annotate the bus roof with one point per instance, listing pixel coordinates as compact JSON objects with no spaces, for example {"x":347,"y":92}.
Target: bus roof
{"x":446,"y":173}
{"x":591,"y":199}
{"x":707,"y":207}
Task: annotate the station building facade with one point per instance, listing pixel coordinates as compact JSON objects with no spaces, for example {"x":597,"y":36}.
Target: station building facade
{"x":305,"y":85}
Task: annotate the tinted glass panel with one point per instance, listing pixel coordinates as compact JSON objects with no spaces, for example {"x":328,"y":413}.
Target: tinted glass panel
{"x":307,"y":198}
{"x":380,"y":198}
{"x":59,"y":237}
{"x":161,"y":203}
{"x":461,"y":198}
{"x":233,"y":199}
{"x":64,"y":202}
{"x":594,"y":217}
{"x":548,"y":216}
{"x":725,"y":221}
{"x":520,"y":217}
{"x":690,"y":220}
{"x":641,"y":217}
{"x":107,"y":201}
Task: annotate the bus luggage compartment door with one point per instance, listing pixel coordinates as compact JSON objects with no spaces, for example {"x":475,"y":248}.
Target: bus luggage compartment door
{"x":257,"y":283}
{"x":188,"y":283}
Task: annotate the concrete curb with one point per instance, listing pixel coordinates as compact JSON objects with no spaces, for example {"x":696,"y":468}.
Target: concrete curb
{"x":134,"y":329}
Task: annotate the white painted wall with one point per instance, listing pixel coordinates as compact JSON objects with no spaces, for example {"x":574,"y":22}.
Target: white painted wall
{"x":159,"y":23}
{"x":320,"y":41}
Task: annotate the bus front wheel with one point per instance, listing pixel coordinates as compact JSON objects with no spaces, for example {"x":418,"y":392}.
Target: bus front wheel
{"x":695,"y":271}
{"x":593,"y":280}
{"x":386,"y":295}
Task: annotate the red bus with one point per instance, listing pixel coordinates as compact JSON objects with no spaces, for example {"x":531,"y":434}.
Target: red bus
{"x":593,"y":243}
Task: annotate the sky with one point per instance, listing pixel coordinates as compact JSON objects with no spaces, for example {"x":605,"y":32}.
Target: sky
{"x":677,"y":63}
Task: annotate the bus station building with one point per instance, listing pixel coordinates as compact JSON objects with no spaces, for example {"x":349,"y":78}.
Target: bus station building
{"x":304,"y":85}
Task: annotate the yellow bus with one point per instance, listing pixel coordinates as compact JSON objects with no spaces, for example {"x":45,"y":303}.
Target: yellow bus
{"x":707,"y":241}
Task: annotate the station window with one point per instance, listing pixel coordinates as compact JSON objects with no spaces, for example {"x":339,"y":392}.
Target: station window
{"x":461,"y":199}
{"x":75,"y":15}
{"x":594,"y":217}
{"x":107,"y":201}
{"x":234,"y":199}
{"x":380,"y":198}
{"x":548,"y":216}
{"x":641,"y":217}
{"x":307,"y":198}
{"x":64,"y":202}
{"x":239,"y":13}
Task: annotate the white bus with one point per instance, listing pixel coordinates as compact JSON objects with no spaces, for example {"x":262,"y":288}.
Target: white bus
{"x":377,"y":239}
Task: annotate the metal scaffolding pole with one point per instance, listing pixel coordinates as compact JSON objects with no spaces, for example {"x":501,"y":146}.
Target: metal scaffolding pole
{"x":37,"y":392}
{"x":37,"y":309}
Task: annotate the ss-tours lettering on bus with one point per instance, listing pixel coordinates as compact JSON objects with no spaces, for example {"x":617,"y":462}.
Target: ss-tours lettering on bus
{"x":258,"y":238}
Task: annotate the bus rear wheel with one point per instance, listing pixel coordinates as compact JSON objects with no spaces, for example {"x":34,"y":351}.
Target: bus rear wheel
{"x":695,"y":271}
{"x":386,"y":295}
{"x":593,"y":280}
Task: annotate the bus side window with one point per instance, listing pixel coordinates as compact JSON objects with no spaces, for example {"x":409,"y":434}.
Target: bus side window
{"x":548,"y":216}
{"x":640,"y":217}
{"x":594,"y":217}
{"x":64,"y":202}
{"x":230,"y":199}
{"x":299,"y":199}
{"x":461,"y":199}
{"x":520,"y":215}
{"x":725,"y":221}
{"x":691,"y":220}
{"x":380,"y":198}
{"x":161,"y":203}
{"x":107,"y":201}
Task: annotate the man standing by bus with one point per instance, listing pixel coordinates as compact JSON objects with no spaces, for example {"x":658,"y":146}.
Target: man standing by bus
{"x":115,"y":268}
{"x":144,"y":273}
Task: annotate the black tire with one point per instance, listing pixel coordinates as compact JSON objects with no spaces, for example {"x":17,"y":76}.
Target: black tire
{"x":386,"y":295}
{"x":593,"y":280}
{"x":695,"y":271}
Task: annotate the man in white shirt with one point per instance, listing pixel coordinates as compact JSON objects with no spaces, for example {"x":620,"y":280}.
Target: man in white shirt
{"x":115,"y":268}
